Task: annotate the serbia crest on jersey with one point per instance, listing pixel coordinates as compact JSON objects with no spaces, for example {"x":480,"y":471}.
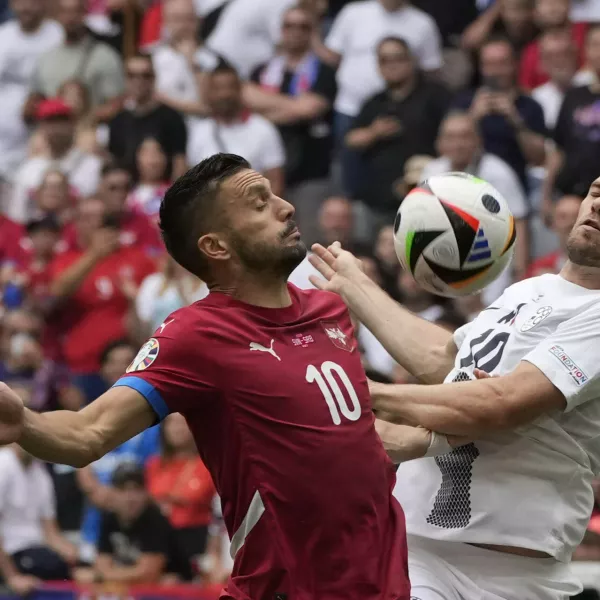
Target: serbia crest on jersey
{"x":528,"y":488}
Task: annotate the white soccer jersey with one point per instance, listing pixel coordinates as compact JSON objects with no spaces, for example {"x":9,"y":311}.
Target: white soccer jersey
{"x":531,"y":487}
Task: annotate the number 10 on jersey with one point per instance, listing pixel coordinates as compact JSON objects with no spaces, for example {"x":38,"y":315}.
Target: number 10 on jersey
{"x":327,"y":379}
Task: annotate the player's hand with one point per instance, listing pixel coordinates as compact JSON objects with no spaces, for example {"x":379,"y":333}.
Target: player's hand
{"x":339,"y":268}
{"x":479,"y":374}
{"x":104,"y":242}
{"x":482,"y":104}
{"x":22,"y":585}
{"x":11,"y":415}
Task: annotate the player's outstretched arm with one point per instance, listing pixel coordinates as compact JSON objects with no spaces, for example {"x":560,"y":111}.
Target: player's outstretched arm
{"x":473,"y":408}
{"x":425,"y":350}
{"x":79,"y":438}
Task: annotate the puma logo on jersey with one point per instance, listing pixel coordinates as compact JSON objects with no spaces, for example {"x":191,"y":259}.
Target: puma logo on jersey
{"x":254,"y":346}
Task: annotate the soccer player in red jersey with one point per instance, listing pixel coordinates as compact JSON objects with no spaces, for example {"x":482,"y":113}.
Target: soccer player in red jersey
{"x":270,"y":381}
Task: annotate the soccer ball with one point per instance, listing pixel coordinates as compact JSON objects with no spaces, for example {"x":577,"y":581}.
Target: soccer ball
{"x":455,"y":234}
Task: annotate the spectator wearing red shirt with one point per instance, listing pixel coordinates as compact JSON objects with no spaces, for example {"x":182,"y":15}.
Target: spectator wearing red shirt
{"x":95,"y":285}
{"x":136,"y":230}
{"x":550,"y":15}
{"x":181,"y":485}
{"x":39,"y":252}
{"x":11,"y":236}
{"x":564,"y":218}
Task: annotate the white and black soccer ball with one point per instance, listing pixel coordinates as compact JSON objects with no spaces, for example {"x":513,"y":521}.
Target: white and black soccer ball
{"x":455,"y":234}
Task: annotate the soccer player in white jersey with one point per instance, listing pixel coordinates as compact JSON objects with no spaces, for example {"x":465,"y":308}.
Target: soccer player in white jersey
{"x":499,"y":517}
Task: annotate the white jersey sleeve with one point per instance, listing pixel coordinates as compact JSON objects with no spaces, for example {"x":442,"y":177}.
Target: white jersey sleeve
{"x":569,"y":357}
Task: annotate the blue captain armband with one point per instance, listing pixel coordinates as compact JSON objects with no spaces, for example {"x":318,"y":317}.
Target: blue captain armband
{"x":150,"y":393}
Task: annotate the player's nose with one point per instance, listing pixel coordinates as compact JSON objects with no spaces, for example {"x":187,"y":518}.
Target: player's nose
{"x":286,"y":209}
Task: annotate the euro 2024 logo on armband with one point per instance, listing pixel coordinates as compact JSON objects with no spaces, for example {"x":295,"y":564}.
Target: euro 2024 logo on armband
{"x":145,"y":357}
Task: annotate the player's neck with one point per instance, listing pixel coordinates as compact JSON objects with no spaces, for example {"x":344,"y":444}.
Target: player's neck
{"x":587,"y":277}
{"x":266,"y":294}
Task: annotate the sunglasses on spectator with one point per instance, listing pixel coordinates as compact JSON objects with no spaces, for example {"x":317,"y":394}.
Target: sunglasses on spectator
{"x":140,"y":75}
{"x":303,"y":26}
{"x":118,"y":187}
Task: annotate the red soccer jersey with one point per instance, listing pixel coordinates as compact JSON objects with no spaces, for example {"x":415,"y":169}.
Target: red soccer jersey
{"x":279,"y":406}
{"x":95,"y":315}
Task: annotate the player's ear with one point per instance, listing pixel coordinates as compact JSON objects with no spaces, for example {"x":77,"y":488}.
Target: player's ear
{"x":214,"y":247}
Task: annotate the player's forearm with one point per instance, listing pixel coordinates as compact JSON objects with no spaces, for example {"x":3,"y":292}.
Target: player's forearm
{"x":425,"y":350}
{"x":60,"y":436}
{"x":403,"y":442}
{"x":7,"y":566}
{"x":467,"y":409}
{"x":70,"y":281}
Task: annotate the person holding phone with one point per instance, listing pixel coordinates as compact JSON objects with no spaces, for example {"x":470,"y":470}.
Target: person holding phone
{"x":94,"y":287}
{"x":512,"y":123}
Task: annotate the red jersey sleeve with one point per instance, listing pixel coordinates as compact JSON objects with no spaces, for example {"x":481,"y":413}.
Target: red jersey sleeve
{"x":174,"y":370}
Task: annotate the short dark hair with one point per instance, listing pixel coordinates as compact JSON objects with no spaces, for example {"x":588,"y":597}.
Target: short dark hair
{"x":129,"y":472}
{"x":224,"y":68}
{"x":396,"y":40}
{"x":121,"y":343}
{"x":187,"y":211}
{"x":114,"y":166}
{"x":498,"y":39}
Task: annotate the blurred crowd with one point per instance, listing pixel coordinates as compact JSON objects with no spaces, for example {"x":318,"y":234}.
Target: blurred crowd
{"x":345,"y":107}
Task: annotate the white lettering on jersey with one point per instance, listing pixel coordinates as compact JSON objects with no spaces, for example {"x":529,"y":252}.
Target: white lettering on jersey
{"x":254,"y":346}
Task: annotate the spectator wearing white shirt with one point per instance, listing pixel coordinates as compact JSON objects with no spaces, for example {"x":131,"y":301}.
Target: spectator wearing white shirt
{"x":30,"y":536}
{"x":352,"y":44}
{"x":181,"y":62}
{"x":247,"y":32}
{"x":233,"y":129}
{"x":558,"y":56}
{"x":460,"y":148}
{"x":58,"y":127}
{"x":23,"y":41}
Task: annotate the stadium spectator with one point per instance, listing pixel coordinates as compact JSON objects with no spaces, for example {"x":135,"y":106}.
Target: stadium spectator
{"x":181,"y":60}
{"x":95,"y":286}
{"x":232,"y":128}
{"x":295,"y":90}
{"x":57,"y":125}
{"x":136,"y":229}
{"x":574,"y":163}
{"x":394,"y":125}
{"x":160,"y":294}
{"x":512,"y":19}
{"x":136,"y":540}
{"x":511,"y":123}
{"x":95,"y":480}
{"x":76,"y":95}
{"x":248,"y":32}
{"x":30,"y":536}
{"x":564,"y":216}
{"x":152,"y":175}
{"x":460,"y":147}
{"x":11,"y":236}
{"x":144,"y":116}
{"x":23,"y":40}
{"x":33,"y":270}
{"x":182,"y":487}
{"x":558,"y":56}
{"x":53,"y":197}
{"x":385,"y":254}
{"x":80,"y":57}
{"x":550,"y":16}
{"x":352,"y":46}
{"x":48,"y":383}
